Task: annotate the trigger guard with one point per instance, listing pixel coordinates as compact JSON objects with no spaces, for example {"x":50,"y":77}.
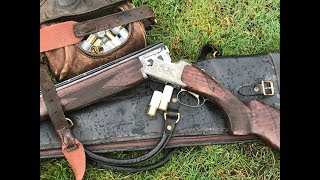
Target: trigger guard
{"x":193,"y":94}
{"x":196,"y":96}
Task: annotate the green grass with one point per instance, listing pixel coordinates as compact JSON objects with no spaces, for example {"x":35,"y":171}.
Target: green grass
{"x":237,"y":27}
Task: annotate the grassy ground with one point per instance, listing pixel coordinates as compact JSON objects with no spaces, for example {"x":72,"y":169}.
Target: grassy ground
{"x":237,"y":27}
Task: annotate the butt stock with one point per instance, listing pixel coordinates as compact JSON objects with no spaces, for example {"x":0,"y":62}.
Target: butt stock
{"x":91,"y":89}
{"x":243,"y":118}
{"x":265,"y":123}
{"x":201,"y":83}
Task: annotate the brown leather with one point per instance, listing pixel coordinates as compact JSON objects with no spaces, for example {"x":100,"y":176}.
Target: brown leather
{"x":70,"y":32}
{"x":113,"y":20}
{"x":198,"y":140}
{"x":71,"y":60}
{"x":76,"y":159}
{"x":58,"y":36}
{"x":51,"y":100}
{"x":51,"y":10}
{"x":71,"y":147}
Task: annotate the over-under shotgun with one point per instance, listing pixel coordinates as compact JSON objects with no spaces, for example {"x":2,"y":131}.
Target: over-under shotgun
{"x":154,"y":62}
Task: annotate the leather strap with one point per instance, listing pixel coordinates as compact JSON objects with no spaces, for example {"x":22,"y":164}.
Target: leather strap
{"x":130,"y":165}
{"x":165,"y":138}
{"x":57,"y":36}
{"x":251,"y":90}
{"x":260,"y":89}
{"x":206,"y":49}
{"x":113,"y":20}
{"x":147,"y":167}
{"x":70,"y":32}
{"x":52,"y":102}
{"x":71,"y":147}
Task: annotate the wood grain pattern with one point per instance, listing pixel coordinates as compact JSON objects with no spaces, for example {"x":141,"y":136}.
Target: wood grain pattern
{"x":265,"y":123}
{"x":97,"y":87}
{"x":243,"y":118}
{"x":201,"y":83}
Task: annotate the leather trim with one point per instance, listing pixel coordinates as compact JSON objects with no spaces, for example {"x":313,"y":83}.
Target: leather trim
{"x":113,"y":20}
{"x":200,"y":140}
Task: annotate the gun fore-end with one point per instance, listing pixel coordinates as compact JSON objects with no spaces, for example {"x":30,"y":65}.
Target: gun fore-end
{"x":95,"y":88}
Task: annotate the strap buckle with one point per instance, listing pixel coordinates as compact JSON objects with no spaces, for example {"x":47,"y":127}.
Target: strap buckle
{"x":267,"y":88}
{"x":178,"y":116}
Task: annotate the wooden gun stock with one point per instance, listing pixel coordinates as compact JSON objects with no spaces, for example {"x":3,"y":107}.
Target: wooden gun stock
{"x":265,"y":122}
{"x":243,"y":119}
{"x":94,"y":88}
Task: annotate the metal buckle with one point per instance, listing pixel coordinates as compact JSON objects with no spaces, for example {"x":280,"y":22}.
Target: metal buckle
{"x":268,"y":86}
{"x":165,"y":116}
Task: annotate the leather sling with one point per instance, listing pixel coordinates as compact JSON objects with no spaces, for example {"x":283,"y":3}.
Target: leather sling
{"x":71,"y":147}
{"x":172,"y":117}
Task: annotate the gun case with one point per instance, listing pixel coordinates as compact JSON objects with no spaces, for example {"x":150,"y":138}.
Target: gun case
{"x":119,"y":123}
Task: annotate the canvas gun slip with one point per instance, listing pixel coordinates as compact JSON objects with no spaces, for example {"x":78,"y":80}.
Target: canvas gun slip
{"x":154,"y":62}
